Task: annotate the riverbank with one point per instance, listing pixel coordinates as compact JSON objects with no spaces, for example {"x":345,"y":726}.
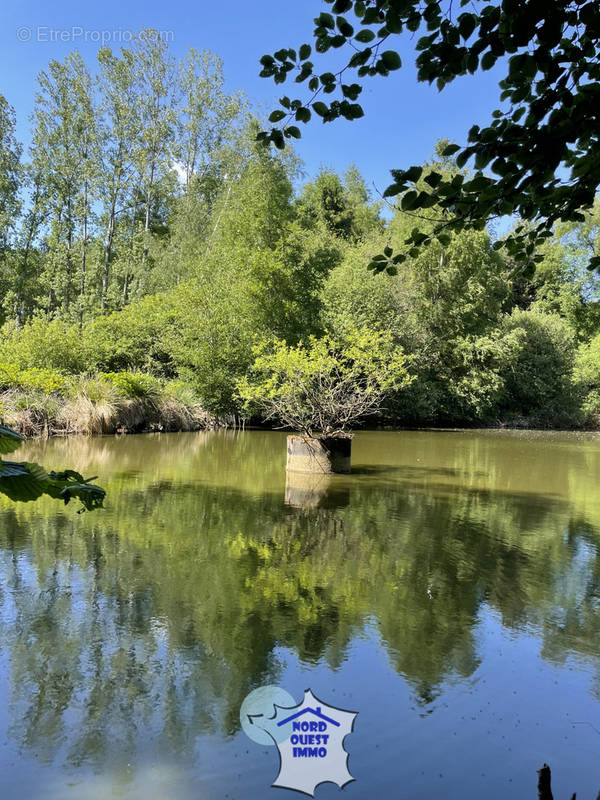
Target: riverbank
{"x":43,"y":403}
{"x":102,"y":404}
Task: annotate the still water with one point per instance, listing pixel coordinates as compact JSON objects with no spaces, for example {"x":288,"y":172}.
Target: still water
{"x":448,"y":591}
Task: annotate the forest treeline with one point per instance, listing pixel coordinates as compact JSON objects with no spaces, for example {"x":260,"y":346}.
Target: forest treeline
{"x":148,"y":246}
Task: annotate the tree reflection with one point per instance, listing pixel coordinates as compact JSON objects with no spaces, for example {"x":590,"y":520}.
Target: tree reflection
{"x":140,"y":630}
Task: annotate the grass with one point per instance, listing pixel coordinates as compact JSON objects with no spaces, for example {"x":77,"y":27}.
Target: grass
{"x":104,"y":403}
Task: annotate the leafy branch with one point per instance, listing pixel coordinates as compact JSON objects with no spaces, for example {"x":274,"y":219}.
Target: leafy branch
{"x":549,"y":127}
{"x":25,"y":481}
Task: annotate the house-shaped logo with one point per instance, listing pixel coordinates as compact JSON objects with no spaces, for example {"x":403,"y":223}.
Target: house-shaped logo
{"x":310,"y":740}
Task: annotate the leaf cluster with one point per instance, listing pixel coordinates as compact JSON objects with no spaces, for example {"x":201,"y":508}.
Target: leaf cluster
{"x":538,"y":156}
{"x":25,"y":481}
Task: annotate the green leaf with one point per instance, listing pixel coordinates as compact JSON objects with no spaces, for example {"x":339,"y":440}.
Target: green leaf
{"x":433,"y":179}
{"x":393,"y":190}
{"x":409,"y":201}
{"x":391,"y":59}
{"x":344,"y":27}
{"x":355,"y":111}
{"x":488,"y":61}
{"x":352,"y":91}
{"x":277,"y":116}
{"x":277,"y":139}
{"x":365,"y":36}
{"x":320,"y":108}
{"x":303,"y":114}
{"x":413,"y":174}
{"x":9,"y":440}
{"x":467,"y":24}
{"x":304,"y":52}
{"x":450,"y":150}
{"x":22,"y":481}
{"x":325,"y":20}
{"x":91,"y":497}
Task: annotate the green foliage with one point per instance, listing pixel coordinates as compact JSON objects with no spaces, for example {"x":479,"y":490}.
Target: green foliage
{"x":47,"y":381}
{"x":586,"y":376}
{"x":131,"y":339}
{"x":133,"y":384}
{"x":325,"y":386}
{"x":546,"y":124}
{"x":539,"y":382}
{"x":25,"y":481}
{"x":43,"y":344}
{"x":342,"y":208}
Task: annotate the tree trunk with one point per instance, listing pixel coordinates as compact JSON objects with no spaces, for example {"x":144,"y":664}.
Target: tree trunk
{"x":147,"y":216}
{"x":83,"y":252}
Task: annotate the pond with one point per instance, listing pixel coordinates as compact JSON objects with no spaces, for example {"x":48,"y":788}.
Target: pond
{"x":448,"y":591}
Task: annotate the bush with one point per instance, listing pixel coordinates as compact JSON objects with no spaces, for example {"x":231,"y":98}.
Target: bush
{"x":134,"y":384}
{"x":586,"y":377}
{"x":47,"y":381}
{"x":130,"y":339}
{"x":539,"y":383}
{"x":325,"y":386}
{"x":44,"y":344}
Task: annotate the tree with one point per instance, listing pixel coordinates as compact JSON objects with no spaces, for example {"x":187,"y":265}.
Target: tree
{"x":10,"y":183}
{"x":342,"y":208}
{"x":156,"y":76}
{"x":542,"y":143}
{"x":325,"y":386}
{"x":64,"y":168}
{"x":10,"y":173}
{"x":120,"y":127}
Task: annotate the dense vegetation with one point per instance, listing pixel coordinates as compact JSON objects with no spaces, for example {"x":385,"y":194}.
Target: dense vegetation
{"x":149,"y":246}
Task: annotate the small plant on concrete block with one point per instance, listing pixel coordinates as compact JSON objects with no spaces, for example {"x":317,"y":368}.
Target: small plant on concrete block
{"x":324,"y":387}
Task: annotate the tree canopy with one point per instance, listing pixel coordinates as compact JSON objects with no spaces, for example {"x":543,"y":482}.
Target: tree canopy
{"x":537,"y":159}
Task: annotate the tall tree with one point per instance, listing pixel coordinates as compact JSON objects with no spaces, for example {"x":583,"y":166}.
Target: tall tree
{"x":208,"y":114}
{"x":157,"y":96}
{"x":64,"y":162}
{"x":10,"y":173}
{"x":10,"y":183}
{"x":120,"y":128}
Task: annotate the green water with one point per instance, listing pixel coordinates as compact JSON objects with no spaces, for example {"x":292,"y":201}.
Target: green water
{"x":448,"y":591}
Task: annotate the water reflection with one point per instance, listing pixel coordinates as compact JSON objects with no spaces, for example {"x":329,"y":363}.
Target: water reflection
{"x":140,"y":629}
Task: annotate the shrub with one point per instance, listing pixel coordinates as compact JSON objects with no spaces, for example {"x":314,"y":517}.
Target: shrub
{"x":134,"y":384}
{"x":44,"y":344}
{"x":47,"y":381}
{"x":586,"y":377}
{"x":325,"y":386}
{"x":539,"y":384}
{"x":130,"y":339}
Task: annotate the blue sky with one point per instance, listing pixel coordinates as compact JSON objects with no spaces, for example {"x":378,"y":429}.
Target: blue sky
{"x":403,"y":118}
